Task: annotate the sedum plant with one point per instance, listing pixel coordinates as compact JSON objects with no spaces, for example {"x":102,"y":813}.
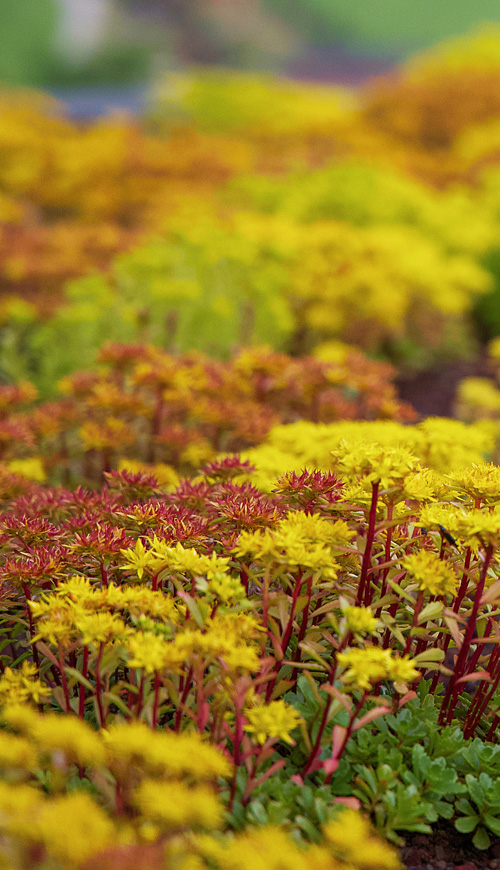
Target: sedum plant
{"x":276,"y":626}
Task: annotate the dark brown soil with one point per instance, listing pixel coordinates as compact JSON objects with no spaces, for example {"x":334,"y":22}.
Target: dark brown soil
{"x":432,"y":392}
{"x":446,"y":849}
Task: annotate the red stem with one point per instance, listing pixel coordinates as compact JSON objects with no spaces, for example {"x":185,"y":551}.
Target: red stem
{"x":27,"y":595}
{"x":455,"y":607}
{"x":63,"y":678}
{"x":140,"y":695}
{"x":185,"y":693}
{"x":483,"y":695}
{"x":416,"y":612}
{"x":98,"y":685}
{"x":288,"y":632}
{"x":156,"y":700}
{"x":387,"y":553}
{"x":81,"y":699}
{"x":451,"y":695}
{"x":331,"y":677}
{"x":303,"y":625}
{"x":352,"y":719}
{"x":238,"y":737}
{"x":363,"y":596}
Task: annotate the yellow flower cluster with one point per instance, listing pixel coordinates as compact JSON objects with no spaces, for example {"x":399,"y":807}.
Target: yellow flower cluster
{"x":303,"y":541}
{"x":432,"y":574}
{"x":227,"y":637}
{"x":348,"y":841}
{"x":162,"y":754}
{"x":76,"y":610}
{"x":166,"y":779}
{"x":354,"y":842}
{"x":165,"y":783}
{"x":360,"y":620}
{"x":171,"y":805}
{"x":478,"y":399}
{"x":185,"y":560}
{"x":274,"y":720}
{"x":70,"y":828}
{"x":387,"y":466}
{"x":370,"y":664}
{"x":437,"y":444}
{"x":60,"y":619}
{"x":479,"y":484}
{"x":160,"y":557}
{"x":22,"y":685}
{"x":478,"y":526}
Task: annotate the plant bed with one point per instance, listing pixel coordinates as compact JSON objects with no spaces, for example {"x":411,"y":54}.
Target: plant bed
{"x":246,"y":655}
{"x":446,"y":849}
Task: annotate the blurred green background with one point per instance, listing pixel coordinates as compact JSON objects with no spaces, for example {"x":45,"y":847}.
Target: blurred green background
{"x":73,"y":43}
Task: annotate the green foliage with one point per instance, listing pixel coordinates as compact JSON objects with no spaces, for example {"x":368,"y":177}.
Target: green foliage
{"x":177,"y":295}
{"x":406,"y":773}
{"x":27,"y":28}
{"x":484,"y":811}
{"x":387,"y":25}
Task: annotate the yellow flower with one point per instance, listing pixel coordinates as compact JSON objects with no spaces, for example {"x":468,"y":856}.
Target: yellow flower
{"x":477,"y":526}
{"x":354,"y":841}
{"x":55,"y":733}
{"x":19,"y":806}
{"x":481,"y":483}
{"x":154,"y":653}
{"x":478,"y":398}
{"x":304,"y":541}
{"x":360,"y":620}
{"x":402,"y":671}
{"x":31,"y":468}
{"x":365,"y":667}
{"x":111,"y":433}
{"x":16,"y":752}
{"x":20,"y":717}
{"x":81,"y":591}
{"x":213,"y":644}
{"x":387,"y":465}
{"x":241,"y":658}
{"x":139,"y":559}
{"x":139,"y":600}
{"x":99,"y":627}
{"x":163,"y":753}
{"x":176,"y":805}
{"x":73,"y":828}
{"x":447,"y":443}
{"x":227,"y":589}
{"x":431,"y":573}
{"x":238,"y":625}
{"x":371,"y":664}
{"x":272,"y":720}
{"x":446,"y":515}
{"x":55,"y":620}
{"x":437,"y":443}
{"x":266,"y":848}
{"x":22,"y":685}
{"x":186,"y":560}
{"x":421,"y":485}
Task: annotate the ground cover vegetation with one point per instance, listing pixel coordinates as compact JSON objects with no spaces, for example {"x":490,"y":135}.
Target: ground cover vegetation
{"x":246,"y":210}
{"x":248,"y":602}
{"x":204,"y":665}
